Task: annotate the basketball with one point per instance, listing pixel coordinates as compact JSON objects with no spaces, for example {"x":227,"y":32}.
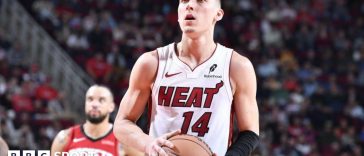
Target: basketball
{"x":188,"y":145}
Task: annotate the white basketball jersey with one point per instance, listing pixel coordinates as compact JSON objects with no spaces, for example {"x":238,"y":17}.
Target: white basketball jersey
{"x":197,"y":101}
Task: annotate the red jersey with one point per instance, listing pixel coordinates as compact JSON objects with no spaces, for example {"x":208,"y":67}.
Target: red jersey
{"x":79,"y":142}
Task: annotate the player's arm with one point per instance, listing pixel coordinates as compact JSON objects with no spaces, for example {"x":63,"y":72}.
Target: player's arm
{"x":244,"y":87}
{"x":133,"y":104}
{"x":3,"y":147}
{"x":128,"y":151}
{"x":60,"y":141}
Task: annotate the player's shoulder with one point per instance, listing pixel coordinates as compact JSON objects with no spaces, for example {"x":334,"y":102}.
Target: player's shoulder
{"x":240,"y":62}
{"x":241,"y":71}
{"x":145,"y":69}
{"x":147,"y":63}
{"x":64,"y":134}
{"x":148,"y":59}
{"x":62,"y":139}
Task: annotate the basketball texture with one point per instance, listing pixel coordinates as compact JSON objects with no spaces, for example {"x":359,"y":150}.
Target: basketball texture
{"x":188,"y":145}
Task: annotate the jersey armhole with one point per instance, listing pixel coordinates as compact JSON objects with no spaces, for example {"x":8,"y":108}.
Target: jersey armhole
{"x":157,"y":74}
{"x":156,"y":80}
{"x":163,"y":54}
{"x":227,"y":73}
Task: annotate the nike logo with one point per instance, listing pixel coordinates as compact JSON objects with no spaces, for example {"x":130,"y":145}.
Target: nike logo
{"x":170,"y":75}
{"x":107,"y":142}
{"x":78,"y":139}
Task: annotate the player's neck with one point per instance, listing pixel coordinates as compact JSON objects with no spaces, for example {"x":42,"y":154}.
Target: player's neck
{"x":97,"y":130}
{"x":196,"y":49}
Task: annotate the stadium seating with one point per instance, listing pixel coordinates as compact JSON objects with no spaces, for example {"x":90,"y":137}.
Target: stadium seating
{"x":308,"y":55}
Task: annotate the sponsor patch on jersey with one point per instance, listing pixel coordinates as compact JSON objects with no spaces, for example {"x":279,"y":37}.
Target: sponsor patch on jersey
{"x":212,"y":69}
{"x":212,"y":76}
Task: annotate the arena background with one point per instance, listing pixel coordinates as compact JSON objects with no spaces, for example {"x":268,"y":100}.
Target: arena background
{"x":308,"y":56}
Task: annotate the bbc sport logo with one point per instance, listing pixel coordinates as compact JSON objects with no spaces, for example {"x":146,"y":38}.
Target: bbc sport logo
{"x":47,"y":153}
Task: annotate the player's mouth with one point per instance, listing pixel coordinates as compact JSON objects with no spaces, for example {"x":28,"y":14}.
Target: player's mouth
{"x":94,"y":112}
{"x":189,"y":17}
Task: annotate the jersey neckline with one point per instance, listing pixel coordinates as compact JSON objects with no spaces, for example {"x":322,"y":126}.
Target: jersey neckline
{"x":185,"y":64}
{"x":95,"y":139}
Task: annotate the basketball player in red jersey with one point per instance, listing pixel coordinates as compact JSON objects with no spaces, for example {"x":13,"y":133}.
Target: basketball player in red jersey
{"x":195,"y":87}
{"x":94,"y":136}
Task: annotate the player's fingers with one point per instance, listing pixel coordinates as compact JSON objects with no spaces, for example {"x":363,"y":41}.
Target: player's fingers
{"x":173,"y":133}
{"x":165,"y":142}
{"x":160,"y":151}
{"x":152,"y":150}
{"x":153,"y":153}
{"x":169,"y":151}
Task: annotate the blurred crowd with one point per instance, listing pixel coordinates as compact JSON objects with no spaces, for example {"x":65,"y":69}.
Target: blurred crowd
{"x":308,"y":56}
{"x":31,"y":110}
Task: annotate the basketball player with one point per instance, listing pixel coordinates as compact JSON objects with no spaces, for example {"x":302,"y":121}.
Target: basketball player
{"x":3,"y":147}
{"x":96,"y":134}
{"x":194,"y":87}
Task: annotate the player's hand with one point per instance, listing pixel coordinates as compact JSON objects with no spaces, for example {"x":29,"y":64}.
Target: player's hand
{"x":155,"y":147}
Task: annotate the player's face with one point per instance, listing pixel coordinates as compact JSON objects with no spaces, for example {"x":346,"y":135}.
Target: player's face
{"x":198,"y":15}
{"x":99,"y":104}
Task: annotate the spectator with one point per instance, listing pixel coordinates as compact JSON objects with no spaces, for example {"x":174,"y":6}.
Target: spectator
{"x":309,"y":57}
{"x":77,"y":41}
{"x":21,"y":102}
{"x":98,"y":68}
{"x":45,"y":91}
{"x":16,"y":56}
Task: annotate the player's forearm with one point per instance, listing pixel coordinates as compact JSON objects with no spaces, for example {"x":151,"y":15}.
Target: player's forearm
{"x":244,"y":145}
{"x":128,"y":133}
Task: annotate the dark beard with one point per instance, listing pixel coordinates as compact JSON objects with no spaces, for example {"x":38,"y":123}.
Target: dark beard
{"x":95,"y":120}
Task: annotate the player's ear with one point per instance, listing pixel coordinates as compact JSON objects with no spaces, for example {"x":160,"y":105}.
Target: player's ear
{"x":219,"y":15}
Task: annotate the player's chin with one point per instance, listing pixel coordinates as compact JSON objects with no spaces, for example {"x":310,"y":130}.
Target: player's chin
{"x":95,"y":119}
{"x":189,"y":31}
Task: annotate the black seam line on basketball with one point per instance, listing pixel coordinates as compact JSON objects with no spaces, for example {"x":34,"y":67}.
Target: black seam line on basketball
{"x":207,"y":150}
{"x":199,"y":140}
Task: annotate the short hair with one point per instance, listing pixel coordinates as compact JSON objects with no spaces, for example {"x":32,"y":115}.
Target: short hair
{"x":104,"y":87}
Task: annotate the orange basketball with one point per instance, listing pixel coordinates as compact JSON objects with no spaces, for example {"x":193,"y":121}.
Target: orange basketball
{"x":188,"y":145}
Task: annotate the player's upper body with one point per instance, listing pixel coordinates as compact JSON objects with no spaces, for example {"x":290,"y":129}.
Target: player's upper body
{"x":181,"y":68}
{"x":96,"y":134}
{"x":79,"y":142}
{"x":198,"y":101}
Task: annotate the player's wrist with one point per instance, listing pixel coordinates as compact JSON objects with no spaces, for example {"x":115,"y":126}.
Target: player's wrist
{"x":147,"y":143}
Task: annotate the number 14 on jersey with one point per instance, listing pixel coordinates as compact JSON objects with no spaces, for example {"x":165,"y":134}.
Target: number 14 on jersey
{"x":200,"y":126}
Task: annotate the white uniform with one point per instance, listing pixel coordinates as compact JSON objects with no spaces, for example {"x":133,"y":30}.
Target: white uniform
{"x":197,"y":101}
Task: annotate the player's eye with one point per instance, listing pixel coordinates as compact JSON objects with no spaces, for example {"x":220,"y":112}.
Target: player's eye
{"x":102,"y":100}
{"x":89,"y":99}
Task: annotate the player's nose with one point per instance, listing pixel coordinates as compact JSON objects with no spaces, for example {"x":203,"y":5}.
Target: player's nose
{"x":190,"y":5}
{"x":95,"y":104}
